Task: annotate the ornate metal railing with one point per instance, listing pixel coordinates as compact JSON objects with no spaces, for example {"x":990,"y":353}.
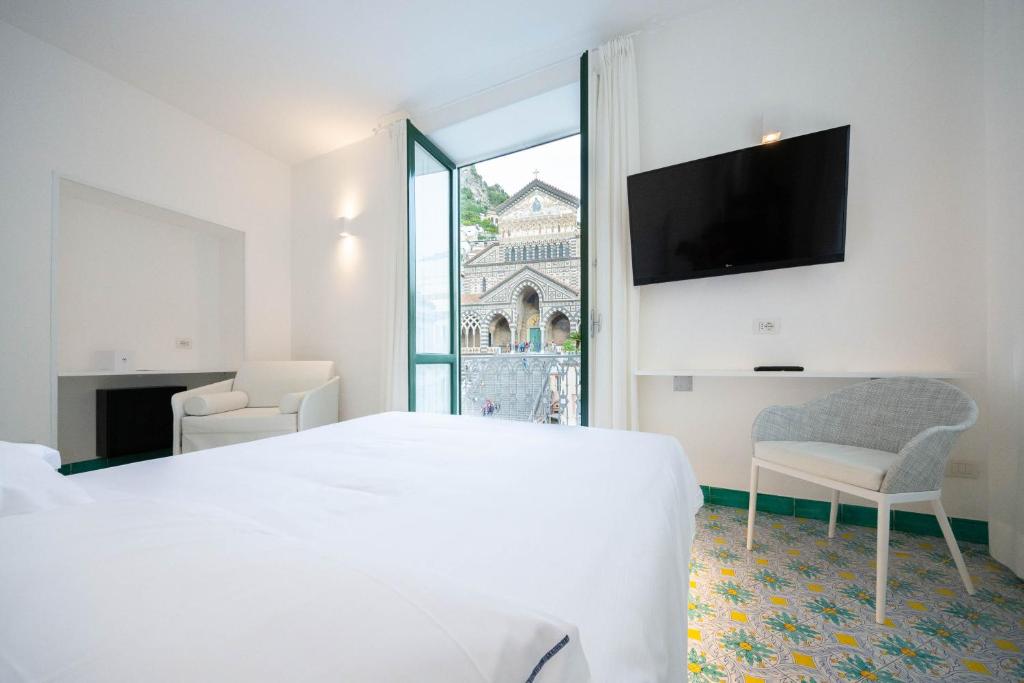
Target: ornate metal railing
{"x":531,"y":387}
{"x":474,"y":350}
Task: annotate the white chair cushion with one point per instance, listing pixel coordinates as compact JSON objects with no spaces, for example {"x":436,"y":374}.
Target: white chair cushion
{"x":240,"y":421}
{"x":266,"y":382}
{"x":209,"y":404}
{"x":864,"y":467}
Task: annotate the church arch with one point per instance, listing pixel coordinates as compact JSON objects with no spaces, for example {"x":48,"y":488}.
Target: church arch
{"x":558,"y":328}
{"x":527,"y":307}
{"x":500,"y":331}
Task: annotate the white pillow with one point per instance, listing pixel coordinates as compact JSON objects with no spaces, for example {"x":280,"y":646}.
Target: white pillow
{"x":29,"y":484}
{"x":44,"y":453}
{"x":210,"y":404}
{"x":290,"y":402}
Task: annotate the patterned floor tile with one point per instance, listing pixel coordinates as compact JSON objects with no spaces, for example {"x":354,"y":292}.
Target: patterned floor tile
{"x":800,"y":607}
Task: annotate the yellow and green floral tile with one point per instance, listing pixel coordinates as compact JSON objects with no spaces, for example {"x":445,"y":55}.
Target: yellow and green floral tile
{"x":800,"y":607}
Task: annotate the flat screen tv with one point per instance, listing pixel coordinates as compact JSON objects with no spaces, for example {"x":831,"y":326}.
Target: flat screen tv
{"x":776,"y":205}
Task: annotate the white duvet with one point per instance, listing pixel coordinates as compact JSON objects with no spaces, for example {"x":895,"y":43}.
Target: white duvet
{"x":591,"y":527}
{"x":111,"y":592}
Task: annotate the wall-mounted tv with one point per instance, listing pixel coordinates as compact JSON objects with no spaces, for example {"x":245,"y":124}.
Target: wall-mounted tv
{"x":776,"y":205}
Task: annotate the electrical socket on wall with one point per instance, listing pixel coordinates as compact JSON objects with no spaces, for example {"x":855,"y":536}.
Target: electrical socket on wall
{"x":766,"y":326}
{"x":958,"y":469}
{"x":183,"y":343}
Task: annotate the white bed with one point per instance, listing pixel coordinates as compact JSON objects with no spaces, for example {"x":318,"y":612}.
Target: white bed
{"x":589,"y":527}
{"x":128,"y":591}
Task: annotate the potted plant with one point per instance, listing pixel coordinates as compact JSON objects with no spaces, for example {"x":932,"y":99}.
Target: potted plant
{"x":572,"y":343}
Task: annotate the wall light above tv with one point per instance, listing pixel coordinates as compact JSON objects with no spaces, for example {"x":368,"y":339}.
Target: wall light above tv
{"x":776,"y":205}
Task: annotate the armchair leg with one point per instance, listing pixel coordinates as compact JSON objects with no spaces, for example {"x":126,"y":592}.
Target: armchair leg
{"x":833,"y":513}
{"x":954,"y":549}
{"x":882,"y":562}
{"x":752,"y":512}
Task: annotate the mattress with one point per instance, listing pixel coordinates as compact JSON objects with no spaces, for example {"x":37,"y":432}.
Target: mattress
{"x":592,"y":527}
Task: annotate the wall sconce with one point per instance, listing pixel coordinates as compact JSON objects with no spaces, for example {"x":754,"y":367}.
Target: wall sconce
{"x":343,"y":222}
{"x":771,"y":131}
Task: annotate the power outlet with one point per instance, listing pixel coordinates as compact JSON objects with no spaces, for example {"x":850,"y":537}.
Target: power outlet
{"x":766,"y":326}
{"x":958,"y":469}
{"x":183,"y":344}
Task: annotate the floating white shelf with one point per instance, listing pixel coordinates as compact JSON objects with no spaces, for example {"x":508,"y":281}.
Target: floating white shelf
{"x":809,"y":374}
{"x":114,"y":373}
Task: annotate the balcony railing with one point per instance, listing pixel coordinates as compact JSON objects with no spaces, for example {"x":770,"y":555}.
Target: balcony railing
{"x":530,"y":387}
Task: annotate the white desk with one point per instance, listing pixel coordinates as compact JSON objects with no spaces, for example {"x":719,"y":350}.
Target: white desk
{"x":682,"y":380}
{"x":126,"y":373}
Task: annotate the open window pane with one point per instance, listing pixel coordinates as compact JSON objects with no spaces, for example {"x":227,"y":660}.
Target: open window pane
{"x":434,"y":389}
{"x":432,"y":352}
{"x":432,"y":221}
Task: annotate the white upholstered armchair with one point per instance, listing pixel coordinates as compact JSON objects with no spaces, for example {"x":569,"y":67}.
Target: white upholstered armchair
{"x":266,"y":398}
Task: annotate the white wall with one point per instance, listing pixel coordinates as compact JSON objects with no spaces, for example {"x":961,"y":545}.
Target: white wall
{"x":532,"y":121}
{"x":907,"y":76}
{"x":338,"y":308}
{"x":136,"y":280}
{"x":59,"y":115}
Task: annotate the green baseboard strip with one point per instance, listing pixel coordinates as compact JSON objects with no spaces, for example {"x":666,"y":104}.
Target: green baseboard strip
{"x":100,"y":463}
{"x":967,"y":530}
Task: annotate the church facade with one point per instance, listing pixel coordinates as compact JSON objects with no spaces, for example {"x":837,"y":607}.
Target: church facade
{"x":521,"y":291}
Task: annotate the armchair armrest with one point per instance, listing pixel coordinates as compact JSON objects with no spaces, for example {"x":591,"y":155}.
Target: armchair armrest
{"x":220,"y":402}
{"x":178,"y":406}
{"x":785,"y":423}
{"x":922,"y":463}
{"x":320,"y":406}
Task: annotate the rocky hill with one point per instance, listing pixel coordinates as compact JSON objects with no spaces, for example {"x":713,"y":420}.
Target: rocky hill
{"x":477,"y":199}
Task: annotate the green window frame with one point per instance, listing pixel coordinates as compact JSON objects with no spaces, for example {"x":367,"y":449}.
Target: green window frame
{"x":584,"y":242}
{"x":413,"y":138}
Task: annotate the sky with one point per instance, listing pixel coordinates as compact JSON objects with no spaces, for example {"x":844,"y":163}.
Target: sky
{"x":558,"y":163}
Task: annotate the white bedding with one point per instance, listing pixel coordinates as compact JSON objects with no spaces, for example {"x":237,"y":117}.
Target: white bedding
{"x":120,"y":592}
{"x":590,"y":526}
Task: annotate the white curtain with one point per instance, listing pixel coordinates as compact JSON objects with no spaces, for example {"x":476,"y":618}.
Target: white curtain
{"x":395,"y":359}
{"x":1004,"y":103}
{"x":613,"y":149}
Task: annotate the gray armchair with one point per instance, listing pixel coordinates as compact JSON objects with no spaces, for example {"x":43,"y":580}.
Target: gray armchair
{"x":886,"y":440}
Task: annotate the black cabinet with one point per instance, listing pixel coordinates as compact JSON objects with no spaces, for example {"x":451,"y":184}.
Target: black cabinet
{"x":134,"y":421}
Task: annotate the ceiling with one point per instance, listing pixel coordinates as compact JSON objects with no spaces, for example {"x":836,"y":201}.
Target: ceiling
{"x":303,"y":77}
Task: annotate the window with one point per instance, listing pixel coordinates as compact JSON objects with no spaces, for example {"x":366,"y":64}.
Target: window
{"x":433,"y":334}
